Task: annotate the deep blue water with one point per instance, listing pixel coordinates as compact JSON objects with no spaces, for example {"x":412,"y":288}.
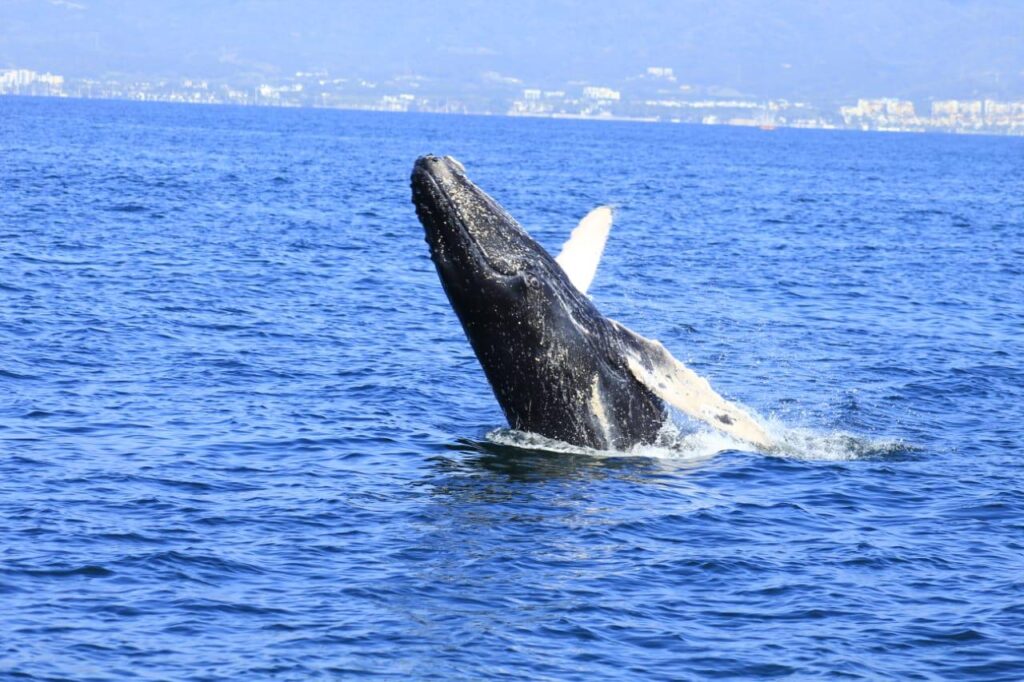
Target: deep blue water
{"x":242,"y":435}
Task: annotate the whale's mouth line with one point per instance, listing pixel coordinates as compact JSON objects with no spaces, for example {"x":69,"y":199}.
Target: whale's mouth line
{"x":438,"y":201}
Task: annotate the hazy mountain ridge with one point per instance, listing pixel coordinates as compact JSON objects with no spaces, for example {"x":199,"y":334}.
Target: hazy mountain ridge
{"x":789,"y":48}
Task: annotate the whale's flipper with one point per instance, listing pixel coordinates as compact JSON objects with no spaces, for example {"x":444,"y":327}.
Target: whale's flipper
{"x":581,"y":254}
{"x":679,"y":386}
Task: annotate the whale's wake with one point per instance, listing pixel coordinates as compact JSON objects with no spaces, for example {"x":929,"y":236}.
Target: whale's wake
{"x":675,"y":443}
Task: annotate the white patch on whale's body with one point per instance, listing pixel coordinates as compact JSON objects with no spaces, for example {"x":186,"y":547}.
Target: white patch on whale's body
{"x":597,"y":407}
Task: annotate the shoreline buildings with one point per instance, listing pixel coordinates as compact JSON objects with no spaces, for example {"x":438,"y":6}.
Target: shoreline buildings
{"x":656,"y":95}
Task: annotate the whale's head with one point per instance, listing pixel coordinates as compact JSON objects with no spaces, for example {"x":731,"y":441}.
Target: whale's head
{"x":491,"y":269}
{"x":523,"y":316}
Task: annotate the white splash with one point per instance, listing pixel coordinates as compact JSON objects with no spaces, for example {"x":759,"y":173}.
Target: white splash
{"x":808,"y":444}
{"x":679,"y":445}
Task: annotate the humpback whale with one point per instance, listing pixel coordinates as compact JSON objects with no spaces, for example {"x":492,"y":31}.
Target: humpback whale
{"x":557,"y":366}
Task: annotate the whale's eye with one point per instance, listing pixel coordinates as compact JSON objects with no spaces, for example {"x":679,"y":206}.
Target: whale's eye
{"x":532,"y":282}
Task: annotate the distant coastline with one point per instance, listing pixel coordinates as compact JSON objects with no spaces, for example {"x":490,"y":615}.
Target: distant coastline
{"x":590,"y":103}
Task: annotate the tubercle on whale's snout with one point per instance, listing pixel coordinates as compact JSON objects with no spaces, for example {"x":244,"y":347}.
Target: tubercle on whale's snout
{"x":429,"y":200}
{"x":438,"y":169}
{"x":434,"y":185}
{"x":424,"y":165}
{"x":426,"y":182}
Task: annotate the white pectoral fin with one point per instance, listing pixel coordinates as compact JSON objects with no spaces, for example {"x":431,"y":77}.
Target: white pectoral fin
{"x":679,"y":386}
{"x":581,"y":254}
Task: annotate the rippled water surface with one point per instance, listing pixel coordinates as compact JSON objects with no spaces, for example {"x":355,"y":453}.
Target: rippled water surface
{"x":242,"y":434}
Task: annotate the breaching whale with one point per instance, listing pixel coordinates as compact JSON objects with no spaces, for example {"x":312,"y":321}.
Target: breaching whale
{"x":557,"y":366}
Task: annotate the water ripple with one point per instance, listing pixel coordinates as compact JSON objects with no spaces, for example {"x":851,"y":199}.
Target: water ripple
{"x":243,"y":436}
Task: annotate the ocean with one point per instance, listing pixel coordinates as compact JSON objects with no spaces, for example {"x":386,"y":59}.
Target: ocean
{"x":242,"y":435}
